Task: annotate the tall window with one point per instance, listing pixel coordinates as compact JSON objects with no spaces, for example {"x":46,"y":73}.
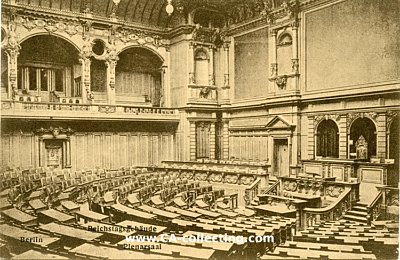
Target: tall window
{"x":328,"y":139}
{"x":201,"y":66}
{"x":38,"y":78}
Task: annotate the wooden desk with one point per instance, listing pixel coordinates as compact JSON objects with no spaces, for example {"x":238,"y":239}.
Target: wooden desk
{"x":142,"y":227}
{"x":20,"y":217}
{"x":5,"y":204}
{"x":205,"y":212}
{"x":70,"y":206}
{"x":107,"y":229}
{"x":34,"y":254}
{"x":91,"y":215}
{"x":133,"y":212}
{"x":51,"y":215}
{"x":37,"y":205}
{"x":183,"y":212}
{"x":159,"y":212}
{"x":70,"y":231}
{"x":18,"y":233}
{"x":275,"y":209}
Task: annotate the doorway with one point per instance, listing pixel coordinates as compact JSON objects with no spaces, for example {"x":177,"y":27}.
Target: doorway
{"x":281,"y":157}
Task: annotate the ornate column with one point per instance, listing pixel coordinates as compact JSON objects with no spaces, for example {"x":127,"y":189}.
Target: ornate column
{"x":85,"y":55}
{"x":68,"y":153}
{"x":191,"y":64}
{"x":381,"y":136}
{"x":212,"y":141}
{"x":111,"y":63}
{"x":167,"y":80}
{"x":311,"y":138}
{"x":12,"y":48}
{"x":226,"y":85}
{"x":295,"y":57}
{"x":192,"y":141}
{"x":41,"y":153}
{"x":225,"y":139}
{"x":274,"y":64}
{"x":342,"y":137}
{"x":211,"y":77}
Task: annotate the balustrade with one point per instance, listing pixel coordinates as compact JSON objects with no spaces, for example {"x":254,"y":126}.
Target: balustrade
{"x":252,"y":191}
{"x":21,"y":109}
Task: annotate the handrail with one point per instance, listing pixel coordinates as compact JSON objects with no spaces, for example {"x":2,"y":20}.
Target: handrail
{"x":333,"y":212}
{"x":251,"y":191}
{"x":332,"y":206}
{"x":270,"y":189}
{"x":255,"y":182}
{"x":375,"y":201}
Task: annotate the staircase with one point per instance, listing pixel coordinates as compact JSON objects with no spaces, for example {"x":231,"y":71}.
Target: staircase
{"x":359,"y":213}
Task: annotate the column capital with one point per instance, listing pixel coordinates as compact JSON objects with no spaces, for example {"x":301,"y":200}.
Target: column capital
{"x":226,"y":45}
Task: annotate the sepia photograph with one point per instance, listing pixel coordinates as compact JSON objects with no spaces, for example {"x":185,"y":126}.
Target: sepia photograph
{"x":199,"y":129}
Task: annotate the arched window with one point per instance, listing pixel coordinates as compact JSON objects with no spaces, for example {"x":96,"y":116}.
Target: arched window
{"x":201,"y":66}
{"x":363,"y":133}
{"x":328,"y":139}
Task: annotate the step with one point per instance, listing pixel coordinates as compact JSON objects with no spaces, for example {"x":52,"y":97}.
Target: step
{"x":355,"y":218}
{"x":357,"y":213}
{"x":359,"y":208}
{"x":361,"y":204}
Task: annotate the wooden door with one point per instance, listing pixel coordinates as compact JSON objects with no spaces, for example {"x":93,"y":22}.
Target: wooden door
{"x":281,"y":157}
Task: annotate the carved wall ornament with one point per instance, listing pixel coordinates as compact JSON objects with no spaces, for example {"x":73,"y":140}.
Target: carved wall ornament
{"x":107,"y":109}
{"x":217,"y":38}
{"x":211,"y":79}
{"x":319,"y":118}
{"x":295,"y":66}
{"x":274,"y":69}
{"x":205,"y":92}
{"x":285,"y":39}
{"x":390,"y":116}
{"x":351,"y":117}
{"x":291,"y":8}
{"x":281,"y":82}
{"x":55,"y":131}
{"x":28,"y":23}
{"x":140,"y":37}
{"x":50,"y":26}
{"x":226,"y":80}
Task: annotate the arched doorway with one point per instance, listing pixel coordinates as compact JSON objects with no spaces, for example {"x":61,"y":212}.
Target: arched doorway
{"x":48,"y":67}
{"x":363,"y":138}
{"x":138,"y":77}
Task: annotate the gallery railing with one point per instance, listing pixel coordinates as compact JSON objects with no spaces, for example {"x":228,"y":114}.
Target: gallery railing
{"x":41,"y":109}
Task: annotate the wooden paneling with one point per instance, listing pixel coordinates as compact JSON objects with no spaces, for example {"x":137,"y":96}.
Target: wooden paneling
{"x":95,"y":149}
{"x":248,"y":147}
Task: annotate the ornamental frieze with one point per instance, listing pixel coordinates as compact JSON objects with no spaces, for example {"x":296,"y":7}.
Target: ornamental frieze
{"x":351,"y":117}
